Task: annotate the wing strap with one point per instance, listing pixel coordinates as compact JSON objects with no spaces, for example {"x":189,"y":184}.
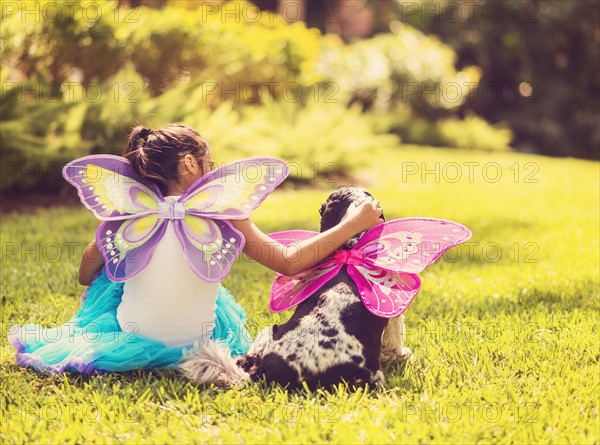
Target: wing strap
{"x":171,"y":210}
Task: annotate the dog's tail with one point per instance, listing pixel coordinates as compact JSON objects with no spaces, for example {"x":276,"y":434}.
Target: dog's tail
{"x":212,"y":363}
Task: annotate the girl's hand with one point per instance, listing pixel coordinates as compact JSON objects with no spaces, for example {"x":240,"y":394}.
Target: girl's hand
{"x":363,"y":217}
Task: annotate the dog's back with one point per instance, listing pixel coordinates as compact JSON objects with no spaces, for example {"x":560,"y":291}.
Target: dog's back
{"x":331,"y":337}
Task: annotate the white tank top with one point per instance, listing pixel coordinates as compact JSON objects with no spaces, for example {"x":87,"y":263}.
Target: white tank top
{"x":167,"y":301}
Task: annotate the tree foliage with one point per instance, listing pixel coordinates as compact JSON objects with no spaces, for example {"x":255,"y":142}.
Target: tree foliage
{"x":76,"y":76}
{"x":91,"y":41}
{"x":540,"y":62}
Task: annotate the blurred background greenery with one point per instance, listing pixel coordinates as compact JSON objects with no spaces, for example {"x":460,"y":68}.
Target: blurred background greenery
{"x":312,"y":82}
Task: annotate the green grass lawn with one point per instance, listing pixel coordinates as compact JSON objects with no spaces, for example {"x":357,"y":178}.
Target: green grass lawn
{"x":504,"y":331}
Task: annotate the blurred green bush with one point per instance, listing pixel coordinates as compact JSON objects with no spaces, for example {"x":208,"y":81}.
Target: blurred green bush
{"x":539,"y":62}
{"x":166,"y":46}
{"x":74,"y":84}
{"x":472,"y":132}
{"x":317,"y":139}
{"x":401,"y":69}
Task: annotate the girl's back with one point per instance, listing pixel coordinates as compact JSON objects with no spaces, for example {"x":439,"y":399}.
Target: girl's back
{"x":168,"y":302}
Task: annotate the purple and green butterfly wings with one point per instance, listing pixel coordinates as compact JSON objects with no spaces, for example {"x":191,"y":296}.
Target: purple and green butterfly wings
{"x":383,"y":264}
{"x":135,"y":215}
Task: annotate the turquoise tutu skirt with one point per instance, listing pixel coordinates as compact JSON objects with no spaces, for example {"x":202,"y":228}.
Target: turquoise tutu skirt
{"x":93,"y":340}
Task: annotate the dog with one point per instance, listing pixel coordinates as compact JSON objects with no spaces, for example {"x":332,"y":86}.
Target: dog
{"x":330,"y":338}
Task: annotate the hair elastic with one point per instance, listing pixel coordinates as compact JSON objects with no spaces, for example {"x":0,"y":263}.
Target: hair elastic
{"x":143,"y":138}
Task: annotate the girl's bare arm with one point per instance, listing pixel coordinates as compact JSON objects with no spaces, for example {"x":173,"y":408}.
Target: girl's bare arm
{"x":277,"y":257}
{"x":91,"y":262}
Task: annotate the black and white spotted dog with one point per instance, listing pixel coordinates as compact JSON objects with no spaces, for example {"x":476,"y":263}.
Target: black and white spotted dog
{"x":330,"y":338}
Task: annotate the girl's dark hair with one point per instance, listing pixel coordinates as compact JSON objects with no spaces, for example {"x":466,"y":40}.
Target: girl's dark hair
{"x":156,"y":154}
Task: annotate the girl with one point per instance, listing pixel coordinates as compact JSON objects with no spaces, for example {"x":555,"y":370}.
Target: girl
{"x":161,"y":314}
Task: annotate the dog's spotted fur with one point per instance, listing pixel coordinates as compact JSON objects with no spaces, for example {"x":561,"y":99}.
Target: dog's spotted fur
{"x":331,"y":337}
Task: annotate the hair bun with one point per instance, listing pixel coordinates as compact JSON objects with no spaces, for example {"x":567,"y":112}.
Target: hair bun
{"x":137,"y":139}
{"x":157,"y":159}
{"x":144,"y":133}
{"x":142,"y":136}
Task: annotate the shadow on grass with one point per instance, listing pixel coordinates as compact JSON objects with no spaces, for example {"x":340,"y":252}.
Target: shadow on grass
{"x":169,"y":384}
{"x":404,"y":377}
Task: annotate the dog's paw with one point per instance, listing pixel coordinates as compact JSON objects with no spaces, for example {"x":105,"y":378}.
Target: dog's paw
{"x":378,"y":379}
{"x":405,"y":354}
{"x":395,"y":355}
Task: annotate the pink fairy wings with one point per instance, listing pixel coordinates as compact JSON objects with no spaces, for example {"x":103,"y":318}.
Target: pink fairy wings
{"x":383,"y":264}
{"x":136,"y":215}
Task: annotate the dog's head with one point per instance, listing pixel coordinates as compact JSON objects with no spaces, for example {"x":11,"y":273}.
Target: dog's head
{"x":336,"y":206}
